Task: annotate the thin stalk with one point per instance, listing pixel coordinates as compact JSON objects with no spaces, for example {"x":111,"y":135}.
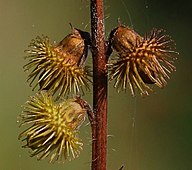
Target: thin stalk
{"x":99,"y":127}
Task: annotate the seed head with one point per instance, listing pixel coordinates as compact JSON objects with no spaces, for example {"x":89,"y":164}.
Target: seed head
{"x":141,"y":60}
{"x":59,"y":67}
{"x":53,"y":127}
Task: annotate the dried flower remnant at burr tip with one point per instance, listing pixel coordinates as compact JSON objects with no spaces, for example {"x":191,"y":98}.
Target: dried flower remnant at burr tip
{"x":140,"y":61}
{"x":52,"y":127}
{"x":59,"y":68}
{"x":123,"y":40}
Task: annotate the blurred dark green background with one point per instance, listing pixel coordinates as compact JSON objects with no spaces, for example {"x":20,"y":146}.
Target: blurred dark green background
{"x":152,"y":133}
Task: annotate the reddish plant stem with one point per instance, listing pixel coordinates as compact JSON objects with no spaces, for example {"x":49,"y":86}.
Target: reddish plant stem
{"x":99,"y":126}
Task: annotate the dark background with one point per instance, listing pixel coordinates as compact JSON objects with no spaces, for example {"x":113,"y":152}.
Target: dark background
{"x":151,"y":133}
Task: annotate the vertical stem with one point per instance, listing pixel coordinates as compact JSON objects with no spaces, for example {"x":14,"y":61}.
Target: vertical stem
{"x":99,"y":129}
